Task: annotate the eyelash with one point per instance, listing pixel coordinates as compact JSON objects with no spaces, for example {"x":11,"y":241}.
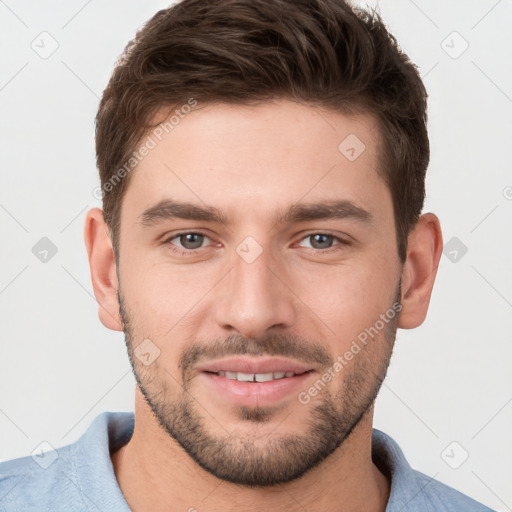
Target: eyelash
{"x":187,"y":252}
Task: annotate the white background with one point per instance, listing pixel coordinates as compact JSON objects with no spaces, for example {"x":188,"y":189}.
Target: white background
{"x":449,"y":380}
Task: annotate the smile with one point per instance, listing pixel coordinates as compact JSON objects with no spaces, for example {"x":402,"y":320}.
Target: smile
{"x":256,"y":377}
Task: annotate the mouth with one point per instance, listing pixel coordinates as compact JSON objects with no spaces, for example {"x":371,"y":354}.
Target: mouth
{"x":249,"y":381}
{"x":254,"y":389}
{"x":257,"y":377}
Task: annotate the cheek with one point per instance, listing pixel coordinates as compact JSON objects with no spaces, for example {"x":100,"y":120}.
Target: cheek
{"x":350,"y":300}
{"x":165,"y":303}
{"x":151,"y":286}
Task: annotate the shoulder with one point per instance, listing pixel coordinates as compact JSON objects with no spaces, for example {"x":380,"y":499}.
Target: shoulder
{"x":67,"y":478}
{"x":29,"y":482}
{"x":443,"y":497}
{"x":412,"y":490}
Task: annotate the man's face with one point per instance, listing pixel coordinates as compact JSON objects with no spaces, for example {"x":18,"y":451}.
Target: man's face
{"x":264,"y":290}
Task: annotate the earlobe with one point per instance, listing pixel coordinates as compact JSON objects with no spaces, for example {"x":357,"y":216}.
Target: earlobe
{"x":424,"y":251}
{"x":103,"y":268}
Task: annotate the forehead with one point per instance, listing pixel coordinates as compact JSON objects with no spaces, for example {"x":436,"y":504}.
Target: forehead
{"x":260,"y":158}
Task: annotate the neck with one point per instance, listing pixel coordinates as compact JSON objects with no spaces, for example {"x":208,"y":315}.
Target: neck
{"x":154,"y":473}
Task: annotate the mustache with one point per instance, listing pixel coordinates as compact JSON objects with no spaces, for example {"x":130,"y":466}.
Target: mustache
{"x":294,"y":347}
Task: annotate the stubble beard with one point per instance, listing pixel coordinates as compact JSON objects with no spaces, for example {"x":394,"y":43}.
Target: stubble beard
{"x":273,"y":459}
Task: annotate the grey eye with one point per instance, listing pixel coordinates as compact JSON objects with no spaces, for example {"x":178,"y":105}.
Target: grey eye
{"x":191,"y":240}
{"x":321,"y":241}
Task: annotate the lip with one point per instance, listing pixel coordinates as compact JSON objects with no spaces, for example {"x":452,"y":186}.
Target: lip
{"x":255,"y":365}
{"x":252,"y":394}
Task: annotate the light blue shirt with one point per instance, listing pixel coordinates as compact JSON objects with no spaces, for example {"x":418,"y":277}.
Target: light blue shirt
{"x":80,"y":476}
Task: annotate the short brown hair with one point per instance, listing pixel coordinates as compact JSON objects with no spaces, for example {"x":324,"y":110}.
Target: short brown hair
{"x":318,"y":52}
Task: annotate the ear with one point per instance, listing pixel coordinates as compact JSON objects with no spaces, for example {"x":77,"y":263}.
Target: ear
{"x":425,"y":245}
{"x":103,"y":268}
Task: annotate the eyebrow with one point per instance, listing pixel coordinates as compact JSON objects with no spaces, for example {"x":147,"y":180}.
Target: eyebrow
{"x":168,"y":209}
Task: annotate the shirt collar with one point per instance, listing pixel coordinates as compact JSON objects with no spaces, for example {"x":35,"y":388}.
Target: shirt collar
{"x":111,"y":430}
{"x":407,"y":491}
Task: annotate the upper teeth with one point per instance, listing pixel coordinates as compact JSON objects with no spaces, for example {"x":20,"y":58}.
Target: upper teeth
{"x":255,"y":377}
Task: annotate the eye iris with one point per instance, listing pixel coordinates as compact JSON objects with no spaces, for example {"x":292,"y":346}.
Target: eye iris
{"x":195,"y":240}
{"x":191,"y":240}
{"x":320,"y":241}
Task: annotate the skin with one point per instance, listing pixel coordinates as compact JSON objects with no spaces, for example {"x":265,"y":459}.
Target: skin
{"x":252,"y":163}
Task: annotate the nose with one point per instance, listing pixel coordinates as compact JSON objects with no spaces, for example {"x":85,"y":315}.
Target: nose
{"x":254,"y":297}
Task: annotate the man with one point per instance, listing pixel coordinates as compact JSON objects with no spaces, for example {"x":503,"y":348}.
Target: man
{"x":262,"y":169}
